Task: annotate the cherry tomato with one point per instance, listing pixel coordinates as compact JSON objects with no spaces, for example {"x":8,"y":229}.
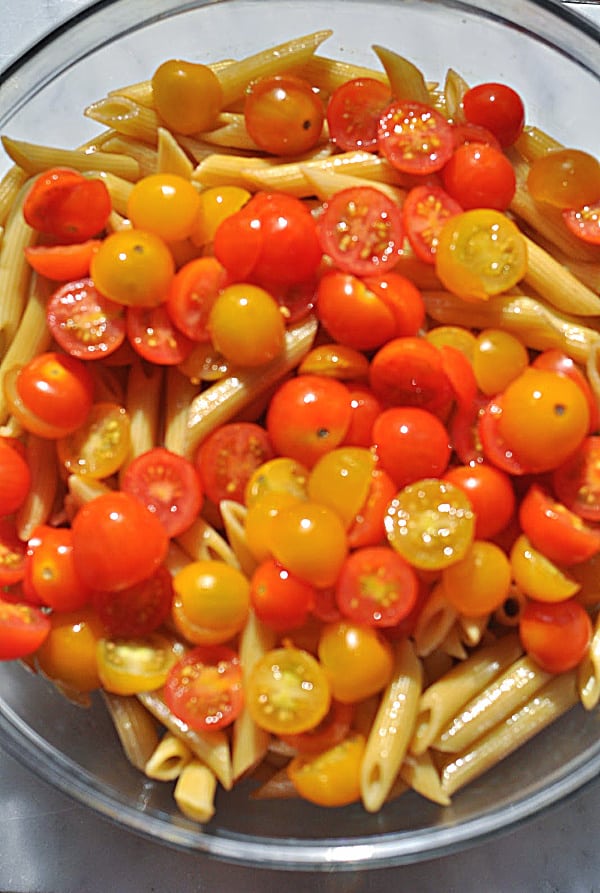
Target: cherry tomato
{"x":164,"y":204}
{"x":358,"y":661}
{"x":154,"y":337}
{"x":411,"y":443}
{"x":23,"y":628}
{"x":229,"y":456}
{"x":216,"y":203}
{"x":480,"y":582}
{"x":67,"y":654}
{"x":376,"y":586}
{"x":287,"y":691}
{"x":137,"y":610}
{"x":403,"y":298}
{"x":480,"y":253}
{"x":555,"y":360}
{"x":576,"y":481}
{"x":335,"y":361}
{"x":308,"y":416}
{"x":134,"y":268}
{"x":341,"y":479}
{"x":431,"y":523}
{"x":128,"y":666}
{"x":204,"y":688}
{"x":536,"y":576}
{"x":365,"y":409}
{"x":211,"y":601}
{"x":65,"y":204}
{"x":414,"y":137}
{"x":544,"y":418}
{"x":332,"y":777}
{"x":465,"y":132}
{"x":352,"y":313}
{"x":260,"y":518}
{"x":333,"y":729}
{"x":100,"y":446}
{"x":238,"y":310}
{"x":15,"y":478}
{"x":410,"y":372}
{"x":283,"y":115}
{"x":557,"y":635}
{"x":309,"y":539}
{"x":279,"y":599}
{"x":50,"y":569}
{"x":555,"y":531}
{"x":83,"y":322}
{"x":361,"y":230}
{"x":117,"y":542}
{"x":498,"y":358}
{"x":565,"y":178}
{"x":12,"y":554}
{"x":278,"y":475}
{"x":187,"y":95}
{"x":584,"y":222}
{"x":425,"y":210}
{"x":490,"y":493}
{"x":295,"y":301}
{"x":353,"y":113}
{"x":497,"y":107}
{"x":193,"y":291}
{"x":479,"y":176}
{"x":368,"y":529}
{"x":51,"y":395}
{"x":62,"y":263}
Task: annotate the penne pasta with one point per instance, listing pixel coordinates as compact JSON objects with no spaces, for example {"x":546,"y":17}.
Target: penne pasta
{"x":39,"y":502}
{"x":143,"y":403}
{"x":10,"y":185}
{"x":421,"y":774}
{"x":557,"y":284}
{"x":201,"y":541}
{"x":405,"y":79}
{"x":34,"y":159}
{"x":435,"y":621}
{"x":588,"y":671}
{"x":15,"y":272}
{"x":325,"y":183}
{"x":168,"y":759}
{"x":180,"y":391}
{"x":171,"y":157}
{"x":234,"y":518}
{"x":195,"y":791}
{"x":136,"y":728}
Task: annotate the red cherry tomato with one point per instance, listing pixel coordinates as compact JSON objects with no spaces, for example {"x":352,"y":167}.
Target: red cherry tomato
{"x":12,"y":553}
{"x":308,"y":416}
{"x":414,"y":137}
{"x":353,"y":113}
{"x":465,"y":132}
{"x":411,"y":444}
{"x":410,"y":372}
{"x":479,"y":176}
{"x":193,"y":291}
{"x":83,"y":322}
{"x":280,"y":599}
{"x":51,"y":572}
{"x":331,"y":731}
{"x":15,"y":478}
{"x":168,"y":485}
{"x":402,"y":297}
{"x":137,"y":610}
{"x":65,"y":204}
{"x":424,"y":212}
{"x":117,"y":542}
{"x":204,"y":688}
{"x":584,"y":222}
{"x":376,"y":586}
{"x":555,"y":634}
{"x":153,"y":336}
{"x":497,"y":107}
{"x":576,"y":481}
{"x":23,"y":628}
{"x":368,"y":528}
{"x":62,"y":263}
{"x":352,"y":313}
{"x":365,"y":408}
{"x":226,"y":460}
{"x":491,"y":494}
{"x":556,"y":532}
{"x":361,"y":230}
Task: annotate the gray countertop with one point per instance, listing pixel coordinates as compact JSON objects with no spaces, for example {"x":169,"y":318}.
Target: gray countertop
{"x":51,"y":844}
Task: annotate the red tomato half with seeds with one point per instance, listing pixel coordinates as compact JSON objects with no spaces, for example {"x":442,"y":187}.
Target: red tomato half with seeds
{"x":137,"y":610}
{"x":193,"y":291}
{"x":153,"y":336}
{"x":576,"y":481}
{"x":65,"y":204}
{"x":226,"y":460}
{"x":584,"y":222}
{"x":83,"y":322}
{"x":410,"y":372}
{"x":354,"y":111}
{"x":424,"y":212}
{"x":361,"y":230}
{"x":415,"y":138}
{"x":556,"y":532}
{"x":168,"y":485}
{"x":12,"y":553}
{"x":23,"y":628}
{"x":376,"y":586}
{"x":204,"y":689}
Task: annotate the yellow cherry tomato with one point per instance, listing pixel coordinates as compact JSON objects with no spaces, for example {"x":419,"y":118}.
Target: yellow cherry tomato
{"x":480,"y":582}
{"x":453,"y":336}
{"x":279,"y":475}
{"x":246,"y":325}
{"x":538,"y":577}
{"x":211,"y":601}
{"x":164,"y":204}
{"x":565,"y":178}
{"x":134,"y":268}
{"x":100,"y":446}
{"x":341,"y":480}
{"x":216,"y":204}
{"x":336,"y":360}
{"x":260,"y":518}
{"x":309,"y":540}
{"x":131,"y":666}
{"x":331,"y":778}
{"x":187,"y":95}
{"x":498,"y":358}
{"x":358,"y":661}
{"x":68,"y":656}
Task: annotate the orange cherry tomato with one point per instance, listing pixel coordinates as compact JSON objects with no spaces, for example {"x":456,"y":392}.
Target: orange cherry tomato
{"x":133,"y":267}
{"x":68,"y":654}
{"x":561,"y":535}
{"x":556,"y":635}
{"x":309,"y":540}
{"x":211,"y":601}
{"x":188,"y":95}
{"x":283,"y":115}
{"x":51,"y":572}
{"x":358,"y":661}
{"x":15,"y":478}
{"x":331,"y":778}
{"x":279,"y":599}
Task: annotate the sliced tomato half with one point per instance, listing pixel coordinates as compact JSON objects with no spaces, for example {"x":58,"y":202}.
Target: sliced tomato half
{"x":85,"y":323}
{"x":204,"y":688}
{"x":154,"y":337}
{"x":424,"y":212}
{"x":554,"y":530}
{"x":576,"y":482}
{"x":415,"y":138}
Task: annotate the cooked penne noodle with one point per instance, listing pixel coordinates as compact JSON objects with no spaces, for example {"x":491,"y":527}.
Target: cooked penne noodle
{"x":405,"y":79}
{"x":535,"y":143}
{"x":392,"y":729}
{"x":557,"y":696}
{"x":435,"y":621}
{"x":328,"y":74}
{"x":455,"y":88}
{"x":10,"y":185}
{"x":325,"y":184}
{"x":441,"y":701}
{"x":39,"y":502}
{"x":234,"y":518}
{"x":472,"y":629}
{"x":212,"y":748}
{"x":278,"y":786}
{"x":220,"y":402}
{"x":452,"y":643}
{"x":168,"y":759}
{"x":180,"y":391}
{"x":230,"y":131}
{"x":171,"y":158}
{"x":143,"y":405}
{"x":195,"y":791}
{"x":557,"y":284}
{"x":146,"y":156}
{"x":119,"y":190}
{"x":83,"y":489}
{"x":201,"y":541}
{"x":15,"y":272}
{"x":421,"y":774}
{"x":34,"y":158}
{"x":126,"y":117}
{"x":503,"y":696}
{"x":588,"y":671}
{"x":136,"y":728}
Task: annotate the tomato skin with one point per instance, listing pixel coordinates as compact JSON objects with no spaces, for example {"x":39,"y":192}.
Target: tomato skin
{"x":283,"y":115}
{"x":153,"y":336}
{"x":62,"y":263}
{"x":479,"y":176}
{"x":558,"y":533}
{"x":15,"y":479}
{"x":411,"y":443}
{"x":192,"y":293}
{"x":565,"y":178}
{"x":365,"y":409}
{"x":491,"y":494}
{"x":83,"y":322}
{"x":556,"y":635}
{"x":204,"y":688}
{"x":164,"y":204}
{"x":117,"y":542}
{"x":56,"y":389}
{"x":227,"y":459}
{"x":279,"y":599}
{"x":50,"y":570}
{"x":424,"y":212}
{"x":332,"y":777}
{"x":308,"y":416}
{"x":410,"y":372}
{"x":137,"y":610}
{"x":352,"y":313}
{"x":353,"y":113}
{"x":480,"y":581}
{"x":414,"y":137}
{"x":497,"y":107}
{"x":404,"y":300}
{"x":309,"y":540}
{"x":466,"y":132}
{"x":376,"y":586}
{"x":23,"y":628}
{"x":239,"y":309}
{"x":65,"y":204}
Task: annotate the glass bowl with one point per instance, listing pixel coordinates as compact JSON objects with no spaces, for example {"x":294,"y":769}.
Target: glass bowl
{"x":552,"y":56}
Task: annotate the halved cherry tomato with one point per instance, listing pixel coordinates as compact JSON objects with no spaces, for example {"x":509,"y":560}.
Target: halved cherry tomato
{"x":425,"y":210}
{"x":491,"y":494}
{"x":565,"y":178}
{"x":229,"y":456}
{"x":15,"y":478}
{"x":204,"y":688}
{"x":51,"y":572}
{"x":211,"y":601}
{"x":411,"y":443}
{"x":12,"y":553}
{"x":23,"y":628}
{"x":353,"y":113}
{"x":283,"y":115}
{"x":332,"y":777}
{"x":278,"y":475}
{"x":130,"y":665}
{"x":167,"y":484}
{"x":410,"y":372}
{"x":216,"y":203}
{"x":83,"y":322}
{"x":280,"y":599}
{"x":465,"y":132}
{"x":361,"y":230}
{"x":62,"y":263}
{"x":308,"y":416}
{"x":330,"y":731}
{"x":497,"y":107}
{"x":341,"y":479}
{"x":558,"y":533}
{"x":365,"y":409}
{"x":536,"y":576}
{"x":376,"y":586}
{"x":153,"y":336}
{"x":584,"y":222}
{"x":335,"y":361}
{"x":556,"y":635}
{"x":137,"y":610}
{"x":414,"y":137}
{"x":192,"y":293}
{"x":100,"y":446}
{"x":576,"y":481}
{"x":65,"y":204}
{"x":117,"y":542}
{"x":555,"y":360}
{"x":368,"y":529}
{"x":479,"y":176}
